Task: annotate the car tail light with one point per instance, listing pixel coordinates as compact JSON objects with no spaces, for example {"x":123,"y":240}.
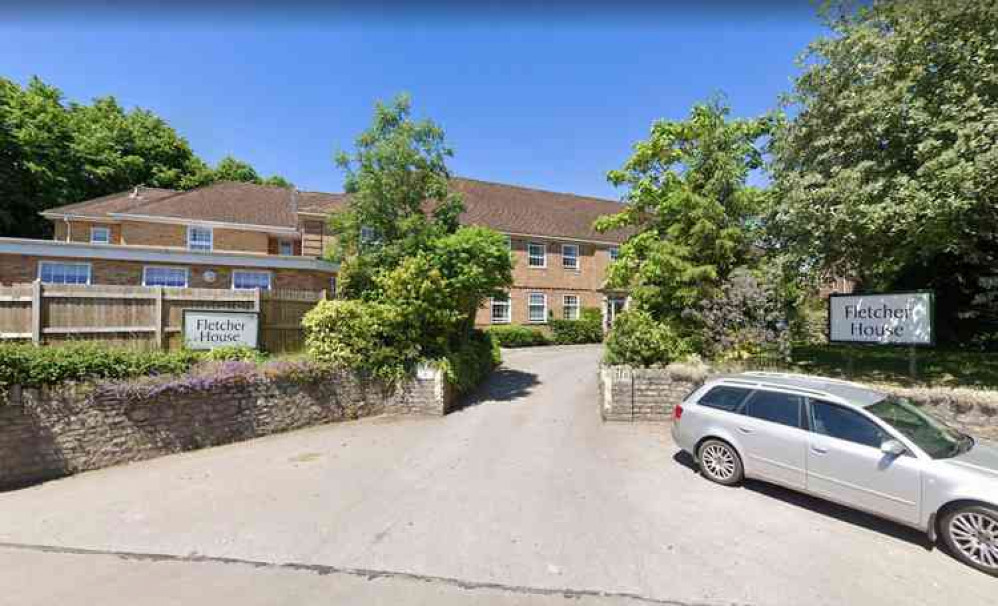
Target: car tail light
{"x":677,"y":412}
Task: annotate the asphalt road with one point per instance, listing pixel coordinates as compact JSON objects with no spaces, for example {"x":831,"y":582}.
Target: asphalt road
{"x":523,"y":497}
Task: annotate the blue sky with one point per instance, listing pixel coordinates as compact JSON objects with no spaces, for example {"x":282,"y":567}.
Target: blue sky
{"x":544,"y":102}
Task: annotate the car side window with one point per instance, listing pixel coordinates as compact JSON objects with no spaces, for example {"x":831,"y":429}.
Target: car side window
{"x":844,"y":424}
{"x":724,"y":397}
{"x":775,"y":407}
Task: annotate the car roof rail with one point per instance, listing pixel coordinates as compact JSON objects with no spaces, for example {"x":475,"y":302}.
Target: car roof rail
{"x":798,"y":375}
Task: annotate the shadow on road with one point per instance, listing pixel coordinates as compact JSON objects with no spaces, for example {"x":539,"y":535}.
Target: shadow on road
{"x":505,"y":385}
{"x":825,"y":508}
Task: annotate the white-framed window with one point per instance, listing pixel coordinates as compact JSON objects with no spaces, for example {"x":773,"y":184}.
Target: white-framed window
{"x":537,"y":254}
{"x":537,"y":308}
{"x":285,"y":247}
{"x":614,"y":253}
{"x":570,"y":307}
{"x":248,"y":280}
{"x":57,"y":272}
{"x":156,"y":275}
{"x":500,"y":310}
{"x":570,"y":256}
{"x":509,"y":242}
{"x":100,"y":235}
{"x":199,"y":238}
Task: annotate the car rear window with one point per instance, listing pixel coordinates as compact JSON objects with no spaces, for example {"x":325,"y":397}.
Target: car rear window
{"x":724,"y":397}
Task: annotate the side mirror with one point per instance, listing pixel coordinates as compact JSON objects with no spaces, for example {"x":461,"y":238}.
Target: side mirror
{"x":893,"y":448}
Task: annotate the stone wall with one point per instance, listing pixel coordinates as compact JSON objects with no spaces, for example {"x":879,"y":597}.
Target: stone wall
{"x":641,"y":394}
{"x":649,"y":394}
{"x":47,"y":433}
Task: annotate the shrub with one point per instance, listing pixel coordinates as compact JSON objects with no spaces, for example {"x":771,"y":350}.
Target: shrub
{"x":636,"y":339}
{"x":361,"y":335}
{"x":587,"y":329}
{"x":240,"y":353}
{"x":36,"y":366}
{"x":472,"y":361}
{"x":518,"y":336}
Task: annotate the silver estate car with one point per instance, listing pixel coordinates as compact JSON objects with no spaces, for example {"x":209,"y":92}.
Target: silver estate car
{"x":849,"y":444}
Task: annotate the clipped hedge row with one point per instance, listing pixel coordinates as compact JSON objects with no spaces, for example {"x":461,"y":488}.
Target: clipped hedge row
{"x":587,"y":329}
{"x":518,"y":336}
{"x":37,"y":366}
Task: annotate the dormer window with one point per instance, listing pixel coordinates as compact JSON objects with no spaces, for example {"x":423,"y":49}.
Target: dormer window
{"x":100,"y":235}
{"x":199,"y":238}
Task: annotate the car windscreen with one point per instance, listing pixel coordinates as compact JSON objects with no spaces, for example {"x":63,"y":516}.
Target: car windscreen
{"x":932,"y":436}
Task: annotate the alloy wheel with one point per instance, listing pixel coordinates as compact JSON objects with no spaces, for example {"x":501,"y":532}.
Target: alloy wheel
{"x":718,"y":462}
{"x":975,"y":535}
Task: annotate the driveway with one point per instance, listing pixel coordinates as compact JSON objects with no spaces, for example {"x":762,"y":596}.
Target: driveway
{"x":523,"y":497}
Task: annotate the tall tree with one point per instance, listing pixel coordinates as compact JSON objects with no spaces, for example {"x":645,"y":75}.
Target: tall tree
{"x":690,"y":208}
{"x":396,"y":174}
{"x":53,"y":153}
{"x":888,"y":169}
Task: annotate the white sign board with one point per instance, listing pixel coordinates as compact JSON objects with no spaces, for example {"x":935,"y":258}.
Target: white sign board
{"x":887,"y":319}
{"x":208,"y":329}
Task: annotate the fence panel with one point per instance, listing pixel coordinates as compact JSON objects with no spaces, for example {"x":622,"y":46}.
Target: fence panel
{"x":140,"y":316}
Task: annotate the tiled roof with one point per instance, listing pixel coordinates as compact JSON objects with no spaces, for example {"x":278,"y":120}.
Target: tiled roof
{"x":505,"y":208}
{"x":227,"y":202}
{"x":113,"y":203}
{"x":320,"y":202}
{"x":521,"y":210}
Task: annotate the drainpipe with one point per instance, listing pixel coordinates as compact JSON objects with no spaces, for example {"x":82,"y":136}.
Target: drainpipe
{"x":69,"y":229}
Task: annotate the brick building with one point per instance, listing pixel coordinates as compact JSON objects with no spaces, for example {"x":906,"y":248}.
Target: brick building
{"x":239,"y":235}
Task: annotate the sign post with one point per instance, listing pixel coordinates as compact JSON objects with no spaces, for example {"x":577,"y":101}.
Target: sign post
{"x":903,"y":318}
{"x":211,"y":328}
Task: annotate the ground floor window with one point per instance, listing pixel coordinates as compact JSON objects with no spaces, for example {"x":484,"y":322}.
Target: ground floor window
{"x":175,"y":277}
{"x":51,"y":272}
{"x":537,"y":307}
{"x":251,"y":279}
{"x":500,"y":310}
{"x":570,"y":307}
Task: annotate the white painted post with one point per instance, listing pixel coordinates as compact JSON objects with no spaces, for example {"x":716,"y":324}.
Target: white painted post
{"x":36,"y":312}
{"x":158,"y":311}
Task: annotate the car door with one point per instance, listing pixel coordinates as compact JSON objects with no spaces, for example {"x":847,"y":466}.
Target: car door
{"x":773,"y":437}
{"x":845,"y":464}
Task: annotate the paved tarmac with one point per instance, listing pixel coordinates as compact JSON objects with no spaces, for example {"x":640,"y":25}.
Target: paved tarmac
{"x":523,"y":497}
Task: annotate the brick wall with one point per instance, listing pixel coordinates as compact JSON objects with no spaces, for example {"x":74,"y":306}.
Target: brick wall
{"x":553,"y":280}
{"x":519,"y":301}
{"x":16,"y":269}
{"x":55,"y":432}
{"x":153,"y":234}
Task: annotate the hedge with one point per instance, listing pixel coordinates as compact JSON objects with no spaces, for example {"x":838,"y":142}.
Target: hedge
{"x":33,"y":366}
{"x":587,"y":329}
{"x":518,"y":336}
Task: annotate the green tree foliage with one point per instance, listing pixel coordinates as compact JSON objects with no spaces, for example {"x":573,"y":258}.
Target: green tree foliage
{"x":397,"y":179}
{"x":690,"y":207}
{"x":888,"y":169}
{"x":693,"y":215}
{"x":638,"y":339}
{"x":419,"y":275}
{"x":54,"y":153}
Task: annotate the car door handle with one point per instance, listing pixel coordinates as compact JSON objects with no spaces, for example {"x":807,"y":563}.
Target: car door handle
{"x":744,"y":430}
{"x":819,"y":450}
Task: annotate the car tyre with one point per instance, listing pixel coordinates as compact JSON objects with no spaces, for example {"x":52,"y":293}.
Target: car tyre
{"x":971,"y":535}
{"x":719,"y":462}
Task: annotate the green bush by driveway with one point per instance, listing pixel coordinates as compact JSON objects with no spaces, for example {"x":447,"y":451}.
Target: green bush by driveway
{"x":518,"y":336}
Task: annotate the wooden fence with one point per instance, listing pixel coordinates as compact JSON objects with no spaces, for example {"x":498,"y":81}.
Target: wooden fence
{"x":142,"y":316}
